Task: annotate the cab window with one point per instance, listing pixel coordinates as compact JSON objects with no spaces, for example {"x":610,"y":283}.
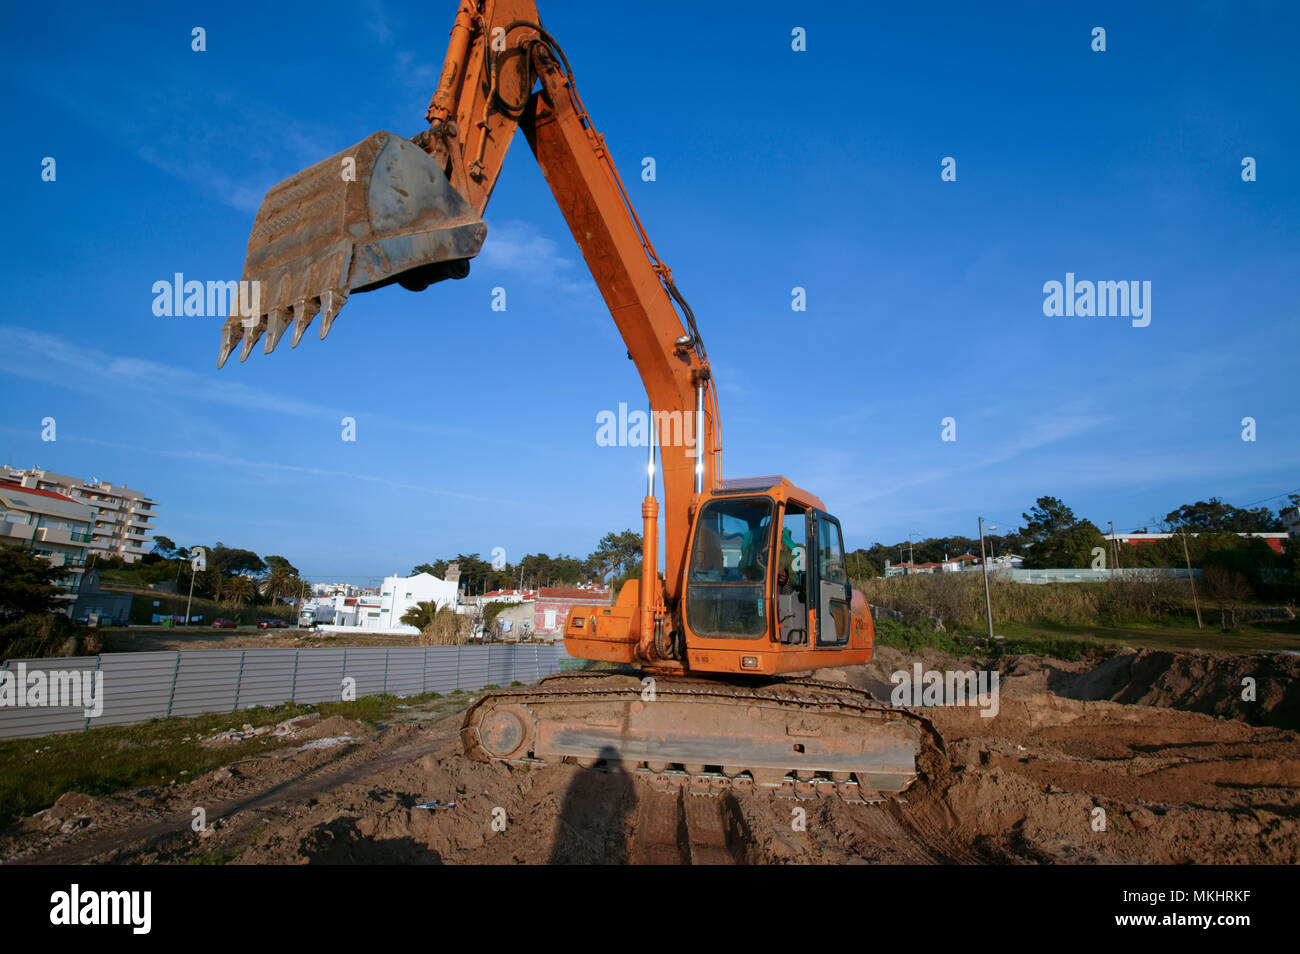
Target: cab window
{"x":728,"y":570}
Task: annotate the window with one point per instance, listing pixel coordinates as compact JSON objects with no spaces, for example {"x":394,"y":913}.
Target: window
{"x":729,"y":568}
{"x":550,"y":619}
{"x":833,"y":620}
{"x":791,"y":592}
{"x":830,"y":553}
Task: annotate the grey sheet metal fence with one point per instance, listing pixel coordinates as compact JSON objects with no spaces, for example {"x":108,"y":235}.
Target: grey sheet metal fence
{"x":141,"y":686}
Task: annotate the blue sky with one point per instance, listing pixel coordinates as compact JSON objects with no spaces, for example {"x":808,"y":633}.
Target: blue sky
{"x":775,"y":169}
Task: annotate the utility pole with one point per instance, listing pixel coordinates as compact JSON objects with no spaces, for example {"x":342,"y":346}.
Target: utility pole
{"x":190,"y":599}
{"x":198,"y":561}
{"x":1192,"y":581}
{"x":984,"y":563}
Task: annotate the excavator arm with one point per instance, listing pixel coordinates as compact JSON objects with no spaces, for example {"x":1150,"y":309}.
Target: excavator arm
{"x":413,"y":221}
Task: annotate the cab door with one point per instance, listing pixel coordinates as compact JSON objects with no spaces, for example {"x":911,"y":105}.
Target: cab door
{"x":834,"y":594}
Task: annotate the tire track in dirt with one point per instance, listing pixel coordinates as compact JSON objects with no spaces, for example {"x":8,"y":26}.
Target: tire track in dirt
{"x":323,"y":778}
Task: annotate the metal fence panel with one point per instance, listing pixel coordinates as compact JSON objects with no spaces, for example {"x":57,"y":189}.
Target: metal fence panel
{"x":500,"y":667}
{"x":442,"y":669}
{"x":29,"y":721}
{"x":320,"y":676}
{"x":405,"y":671}
{"x":137,"y":687}
{"x":473,"y":669}
{"x":367,"y":665}
{"x":267,"y":677}
{"x":208,"y":681}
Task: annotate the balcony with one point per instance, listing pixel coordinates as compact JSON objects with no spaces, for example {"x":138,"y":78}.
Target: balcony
{"x":19,"y":531}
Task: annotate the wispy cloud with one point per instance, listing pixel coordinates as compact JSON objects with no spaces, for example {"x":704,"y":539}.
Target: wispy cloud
{"x":262,"y":466}
{"x":377,"y":22}
{"x":37,"y":356}
{"x":235,"y":151}
{"x":520,"y":248}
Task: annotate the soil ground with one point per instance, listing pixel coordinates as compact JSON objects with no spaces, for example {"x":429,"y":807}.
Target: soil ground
{"x":1182,"y":769}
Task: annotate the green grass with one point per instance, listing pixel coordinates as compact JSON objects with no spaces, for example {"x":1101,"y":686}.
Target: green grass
{"x":1271,"y":637}
{"x":35,"y":772}
{"x":1075,"y":641}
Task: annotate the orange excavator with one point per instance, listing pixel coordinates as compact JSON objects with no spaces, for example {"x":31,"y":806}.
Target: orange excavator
{"x":754,"y":587}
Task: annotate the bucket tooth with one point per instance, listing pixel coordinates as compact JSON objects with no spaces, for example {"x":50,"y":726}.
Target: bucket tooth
{"x":230,"y":336}
{"x":303,"y":312}
{"x":331,"y":303}
{"x":252,"y":332}
{"x":277,"y":320}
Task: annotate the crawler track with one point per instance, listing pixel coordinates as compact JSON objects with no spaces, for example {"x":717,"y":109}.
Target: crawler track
{"x":800,"y":738}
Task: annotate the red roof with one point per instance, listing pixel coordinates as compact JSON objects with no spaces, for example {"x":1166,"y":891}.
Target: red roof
{"x":10,"y":485}
{"x":571,"y":593}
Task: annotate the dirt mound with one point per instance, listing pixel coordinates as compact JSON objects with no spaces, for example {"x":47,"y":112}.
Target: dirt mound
{"x":1198,"y":682}
{"x":1051,"y":778}
{"x":335,"y":727}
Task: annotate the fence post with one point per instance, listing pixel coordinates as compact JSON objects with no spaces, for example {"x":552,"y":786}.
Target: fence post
{"x":388,"y":651}
{"x":98,"y":660}
{"x":293,"y":688}
{"x":171,"y":696}
{"x":458,"y":649}
{"x":345,"y":674}
{"x":424,"y":673}
{"x":239,"y":681}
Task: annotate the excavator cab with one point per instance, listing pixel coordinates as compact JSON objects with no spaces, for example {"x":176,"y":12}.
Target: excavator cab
{"x":767,"y":590}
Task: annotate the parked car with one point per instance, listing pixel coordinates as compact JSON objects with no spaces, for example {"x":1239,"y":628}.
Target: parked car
{"x":223,"y":624}
{"x":280,"y":624}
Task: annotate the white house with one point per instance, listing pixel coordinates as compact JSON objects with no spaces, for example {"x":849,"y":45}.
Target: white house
{"x":400,"y":593}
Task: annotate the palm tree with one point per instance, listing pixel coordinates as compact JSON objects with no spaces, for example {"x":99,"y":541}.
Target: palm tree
{"x":240,"y":589}
{"x":220,"y":588}
{"x":420,"y":615}
{"x":278,"y":582}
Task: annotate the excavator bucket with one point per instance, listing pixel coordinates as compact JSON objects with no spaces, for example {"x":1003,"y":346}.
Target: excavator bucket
{"x":378,"y":213}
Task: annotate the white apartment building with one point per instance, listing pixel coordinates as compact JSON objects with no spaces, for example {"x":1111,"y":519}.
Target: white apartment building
{"x":334,"y":589}
{"x":51,"y":525}
{"x":122,"y":523}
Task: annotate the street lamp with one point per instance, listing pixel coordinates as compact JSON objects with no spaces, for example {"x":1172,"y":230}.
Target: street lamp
{"x":984,"y":562}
